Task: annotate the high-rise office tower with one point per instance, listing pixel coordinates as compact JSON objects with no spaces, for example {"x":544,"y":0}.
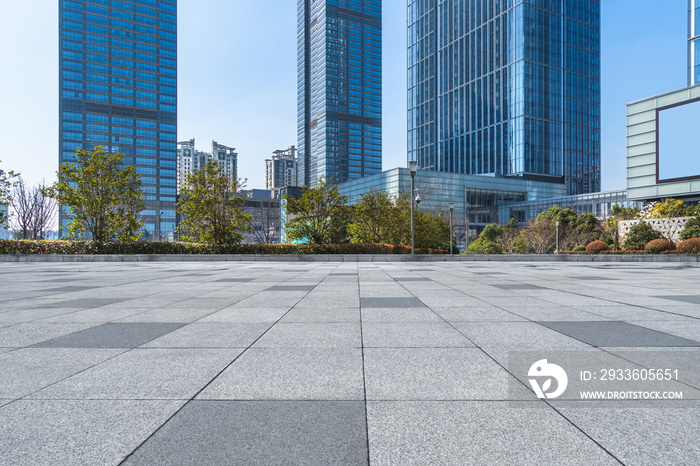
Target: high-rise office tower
{"x":506,"y":88}
{"x":693,"y":42}
{"x":118,"y":89}
{"x":339,"y":89}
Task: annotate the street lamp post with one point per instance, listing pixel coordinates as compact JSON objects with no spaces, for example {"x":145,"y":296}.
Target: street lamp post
{"x":557,"y":249}
{"x":412,"y":167}
{"x":452,"y":210}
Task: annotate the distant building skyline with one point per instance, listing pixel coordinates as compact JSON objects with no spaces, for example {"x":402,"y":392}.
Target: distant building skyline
{"x":190,"y":159}
{"x":118,"y":89}
{"x":281,"y":170}
{"x":506,"y":91}
{"x":339,"y":62}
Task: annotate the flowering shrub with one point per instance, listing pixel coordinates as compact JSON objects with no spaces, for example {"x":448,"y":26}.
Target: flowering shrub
{"x":596,"y":247}
{"x":659,"y":246}
{"x":689,"y":246}
{"x":154,"y":247}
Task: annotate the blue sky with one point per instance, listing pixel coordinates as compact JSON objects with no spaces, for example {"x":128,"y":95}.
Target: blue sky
{"x":237,"y":78}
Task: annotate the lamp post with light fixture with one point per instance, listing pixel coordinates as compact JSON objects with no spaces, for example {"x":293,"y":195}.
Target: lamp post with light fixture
{"x":412,"y":167}
{"x":452,"y":210}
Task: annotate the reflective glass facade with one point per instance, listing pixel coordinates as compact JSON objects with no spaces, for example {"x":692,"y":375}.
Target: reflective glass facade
{"x":339,"y":89}
{"x":506,"y":88}
{"x":693,"y":42}
{"x":118,"y":89}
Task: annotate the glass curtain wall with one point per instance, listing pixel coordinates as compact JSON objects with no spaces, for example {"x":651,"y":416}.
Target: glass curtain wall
{"x":118,"y":89}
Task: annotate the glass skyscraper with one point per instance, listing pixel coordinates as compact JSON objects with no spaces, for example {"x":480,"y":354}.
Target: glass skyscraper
{"x":118,"y":89}
{"x":506,"y":88}
{"x":339,"y":89}
{"x":693,"y":42}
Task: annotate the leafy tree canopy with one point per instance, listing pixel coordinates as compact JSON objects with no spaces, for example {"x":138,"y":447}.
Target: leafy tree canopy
{"x":211,"y":207}
{"x":319,"y":216}
{"x":5,"y":186}
{"x":103,"y":194}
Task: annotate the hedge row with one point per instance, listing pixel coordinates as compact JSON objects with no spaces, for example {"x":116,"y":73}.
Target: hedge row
{"x":154,"y":247}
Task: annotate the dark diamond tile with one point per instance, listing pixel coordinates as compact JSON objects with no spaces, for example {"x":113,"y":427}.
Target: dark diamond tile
{"x":390,"y":302}
{"x":68,"y":289}
{"x":617,"y":334}
{"x":518,"y":286}
{"x":593,"y":278}
{"x":236,"y":280}
{"x":84,"y":303}
{"x":291,"y":288}
{"x":683,"y":299}
{"x":260,"y":433}
{"x":112,"y":335}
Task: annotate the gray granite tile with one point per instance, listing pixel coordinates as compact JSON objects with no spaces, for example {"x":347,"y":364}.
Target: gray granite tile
{"x":475,"y":314}
{"x":112,"y":335}
{"x":235,"y":280}
{"x":683,"y":299}
{"x":27,"y":334}
{"x":148,"y":373}
{"x":84,"y":303}
{"x":461,"y":433}
{"x":236,"y":314}
{"x":389,"y":302}
{"x":291,"y":374}
{"x":32,"y":315}
{"x":412,"y":335}
{"x":665,"y":435}
{"x":320,"y":314}
{"x":260,"y":433}
{"x":212,"y":335}
{"x":25,"y":371}
{"x":617,"y":334}
{"x":311,"y":334}
{"x":515,"y":336}
{"x":399,"y":315}
{"x":288,"y":288}
{"x":433,"y":374}
{"x":518,"y":286}
{"x":77,"y":431}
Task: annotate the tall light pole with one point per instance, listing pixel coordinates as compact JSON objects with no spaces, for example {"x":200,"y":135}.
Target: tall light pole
{"x":452,"y":210}
{"x":412,"y":167}
{"x":557,"y":249}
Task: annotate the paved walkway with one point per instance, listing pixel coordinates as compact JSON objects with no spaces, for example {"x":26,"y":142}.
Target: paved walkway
{"x":280,"y":363}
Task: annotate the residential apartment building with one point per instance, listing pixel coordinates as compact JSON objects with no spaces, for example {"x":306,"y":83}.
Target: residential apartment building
{"x":118,"y":89}
{"x":281,"y":169}
{"x":190,"y":159}
{"x":339,"y":89}
{"x":506,"y":89}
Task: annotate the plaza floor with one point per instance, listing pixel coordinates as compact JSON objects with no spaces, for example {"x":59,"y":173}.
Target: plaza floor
{"x":338,"y":363}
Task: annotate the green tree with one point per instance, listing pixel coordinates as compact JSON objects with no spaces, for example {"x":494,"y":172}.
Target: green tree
{"x":432,"y":229}
{"x":5,"y":186}
{"x":487,"y":242}
{"x":211,"y":208}
{"x":104,"y":196}
{"x":320,"y":216}
{"x":691,"y":229}
{"x":618,"y":213}
{"x":670,"y":208}
{"x":639,"y":235}
{"x":377,"y":218}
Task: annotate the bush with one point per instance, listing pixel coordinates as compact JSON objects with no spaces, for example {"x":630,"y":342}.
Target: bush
{"x":689,"y":246}
{"x":579,"y":249}
{"x":658,"y":246}
{"x":639,"y":235}
{"x":154,"y":247}
{"x":597,"y":246}
{"x":484,"y":246}
{"x":691,"y":229}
